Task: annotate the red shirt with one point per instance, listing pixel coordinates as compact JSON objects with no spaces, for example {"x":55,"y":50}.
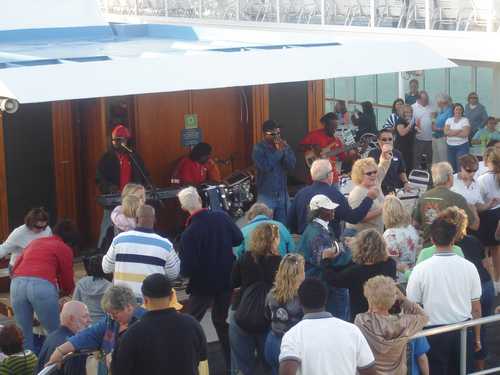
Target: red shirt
{"x":321,"y":139}
{"x":47,"y":258}
{"x":191,"y":172}
{"x":125,"y":169}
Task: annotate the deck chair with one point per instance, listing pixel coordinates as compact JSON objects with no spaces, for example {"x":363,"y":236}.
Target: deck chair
{"x":361,"y":12}
{"x":341,"y":12}
{"x":478,"y":13}
{"x":447,"y":12}
{"x":393,"y":11}
{"x":416,"y":14}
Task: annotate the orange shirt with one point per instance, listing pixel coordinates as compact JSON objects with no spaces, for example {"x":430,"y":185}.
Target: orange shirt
{"x":191,"y":172}
{"x":321,"y":139}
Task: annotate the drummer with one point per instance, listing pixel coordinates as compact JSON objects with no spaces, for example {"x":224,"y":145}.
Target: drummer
{"x":396,"y":177}
{"x":198,"y":167}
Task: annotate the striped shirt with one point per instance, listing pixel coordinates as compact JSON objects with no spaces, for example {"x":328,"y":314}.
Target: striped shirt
{"x":19,"y":364}
{"x":136,"y":254}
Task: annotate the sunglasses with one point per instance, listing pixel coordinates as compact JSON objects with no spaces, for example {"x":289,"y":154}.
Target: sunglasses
{"x":386,"y":139}
{"x":470,"y":170}
{"x":273,"y":133}
{"x":371,"y":173}
{"x":41,"y":227}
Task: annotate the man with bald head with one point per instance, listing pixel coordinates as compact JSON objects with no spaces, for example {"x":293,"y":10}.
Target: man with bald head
{"x":74,"y":318}
{"x":138,"y":253}
{"x":322,"y":176}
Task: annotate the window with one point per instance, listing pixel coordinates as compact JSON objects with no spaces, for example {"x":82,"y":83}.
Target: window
{"x":484,"y":83}
{"x":435,"y":83}
{"x":387,"y":88}
{"x":365,"y":88}
{"x":460,"y":83}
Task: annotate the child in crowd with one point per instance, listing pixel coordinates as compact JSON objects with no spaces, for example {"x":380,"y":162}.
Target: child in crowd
{"x":17,"y":361}
{"x":91,"y":288}
{"x":124,"y":217}
{"x":388,"y":334}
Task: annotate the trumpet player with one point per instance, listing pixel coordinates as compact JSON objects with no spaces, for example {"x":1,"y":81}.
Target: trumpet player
{"x":273,"y":158}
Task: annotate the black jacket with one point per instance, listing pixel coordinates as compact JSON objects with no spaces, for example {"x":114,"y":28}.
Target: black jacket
{"x":108,"y":172}
{"x":162,"y":342}
{"x":207,"y":252}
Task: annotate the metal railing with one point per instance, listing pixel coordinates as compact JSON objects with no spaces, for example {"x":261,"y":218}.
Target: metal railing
{"x":462,"y":327}
{"x":423,"y":14}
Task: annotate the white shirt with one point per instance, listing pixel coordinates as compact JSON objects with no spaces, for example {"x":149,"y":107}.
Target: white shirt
{"x":18,"y":240}
{"x":463,"y":122}
{"x":326,"y":345}
{"x":445,"y":284}
{"x":489,"y":188}
{"x":481,"y":169}
{"x":424,"y":114}
{"x":471,"y":193}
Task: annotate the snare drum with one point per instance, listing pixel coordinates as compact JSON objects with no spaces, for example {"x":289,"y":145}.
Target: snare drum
{"x":214,"y":197}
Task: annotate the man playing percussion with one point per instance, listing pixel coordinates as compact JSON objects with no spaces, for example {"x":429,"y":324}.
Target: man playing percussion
{"x":198,"y":167}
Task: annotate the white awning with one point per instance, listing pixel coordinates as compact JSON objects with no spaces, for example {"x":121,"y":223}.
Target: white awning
{"x":192,"y":70}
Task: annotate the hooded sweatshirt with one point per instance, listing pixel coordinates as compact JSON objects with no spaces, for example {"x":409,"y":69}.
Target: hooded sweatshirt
{"x":90,"y":290}
{"x":388,"y":336}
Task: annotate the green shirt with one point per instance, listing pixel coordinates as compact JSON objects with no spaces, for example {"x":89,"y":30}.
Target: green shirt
{"x":430,"y":251}
{"x":485,"y":136}
{"x":19,"y":364}
{"x":432,"y":202}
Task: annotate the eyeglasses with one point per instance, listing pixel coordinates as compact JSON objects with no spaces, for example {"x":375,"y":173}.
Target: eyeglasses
{"x":386,"y":139}
{"x":371,"y":173}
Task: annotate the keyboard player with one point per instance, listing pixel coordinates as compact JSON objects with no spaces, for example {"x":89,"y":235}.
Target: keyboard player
{"x":116,"y":169}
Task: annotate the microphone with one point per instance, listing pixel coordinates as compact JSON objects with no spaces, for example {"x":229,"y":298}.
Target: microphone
{"x":126,"y":148}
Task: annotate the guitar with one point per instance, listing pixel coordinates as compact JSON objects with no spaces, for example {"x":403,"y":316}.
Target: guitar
{"x":310,"y":155}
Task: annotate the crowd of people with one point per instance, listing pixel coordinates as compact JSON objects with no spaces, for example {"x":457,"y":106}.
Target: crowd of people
{"x":329,"y":284}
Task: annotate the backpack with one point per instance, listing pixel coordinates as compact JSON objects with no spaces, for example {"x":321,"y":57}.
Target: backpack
{"x":251,"y":312}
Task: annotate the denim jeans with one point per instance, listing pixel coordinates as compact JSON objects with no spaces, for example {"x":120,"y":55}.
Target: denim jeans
{"x":32,"y":294}
{"x":272,"y":351}
{"x":338,"y":303}
{"x":246,"y":349}
{"x":279,"y":203}
{"x":455,"y":152}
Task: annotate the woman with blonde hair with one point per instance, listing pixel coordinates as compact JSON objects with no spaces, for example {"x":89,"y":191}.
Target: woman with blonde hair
{"x":402,"y":239}
{"x":370,"y":258}
{"x":283,"y":305}
{"x":125,"y":218}
{"x":366,"y":175}
{"x":253,"y":274}
{"x":387,"y":334}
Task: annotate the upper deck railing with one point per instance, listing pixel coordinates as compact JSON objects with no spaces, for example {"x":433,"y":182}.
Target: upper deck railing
{"x":459,"y":15}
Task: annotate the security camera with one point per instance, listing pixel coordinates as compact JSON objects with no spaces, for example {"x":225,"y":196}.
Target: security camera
{"x":9,"y":105}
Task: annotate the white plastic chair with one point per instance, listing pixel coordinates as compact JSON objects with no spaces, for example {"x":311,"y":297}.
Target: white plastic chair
{"x":342,"y":11}
{"x":478,"y":13}
{"x":393,"y":11}
{"x":361,"y":12}
{"x":416,"y":13}
{"x":447,"y":12}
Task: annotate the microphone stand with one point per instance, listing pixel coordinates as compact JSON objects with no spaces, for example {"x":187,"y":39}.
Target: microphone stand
{"x":149,"y":183}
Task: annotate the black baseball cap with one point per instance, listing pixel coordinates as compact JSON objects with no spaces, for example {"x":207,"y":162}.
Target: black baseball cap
{"x":156,"y":285}
{"x":269,"y":126}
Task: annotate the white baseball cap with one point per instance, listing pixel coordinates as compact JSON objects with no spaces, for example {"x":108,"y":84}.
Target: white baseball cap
{"x":322,"y":201}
